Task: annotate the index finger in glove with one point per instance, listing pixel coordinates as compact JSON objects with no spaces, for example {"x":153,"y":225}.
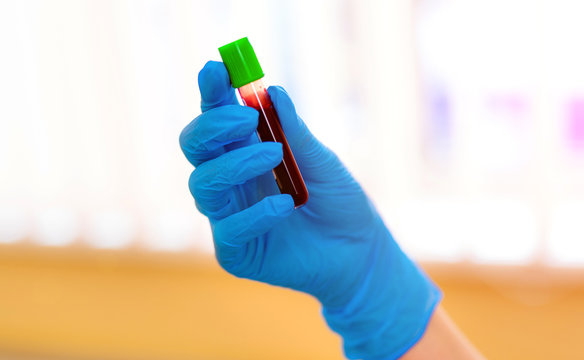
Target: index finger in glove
{"x":211,"y":182}
{"x":203,"y":139}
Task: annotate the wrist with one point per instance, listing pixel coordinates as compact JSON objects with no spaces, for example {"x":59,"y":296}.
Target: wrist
{"x":389,"y":313}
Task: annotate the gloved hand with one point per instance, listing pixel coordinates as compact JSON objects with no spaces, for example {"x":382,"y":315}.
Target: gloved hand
{"x":336,"y":247}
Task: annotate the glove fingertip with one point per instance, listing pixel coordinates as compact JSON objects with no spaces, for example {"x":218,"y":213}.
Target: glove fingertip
{"x":182,"y":137}
{"x":281,"y":99}
{"x":282,"y":205}
{"x":274,"y":149}
{"x":239,"y":228}
{"x":215,"y":86}
{"x":293,"y":126}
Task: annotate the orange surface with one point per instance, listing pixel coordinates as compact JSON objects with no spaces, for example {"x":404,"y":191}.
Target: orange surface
{"x":145,"y":306}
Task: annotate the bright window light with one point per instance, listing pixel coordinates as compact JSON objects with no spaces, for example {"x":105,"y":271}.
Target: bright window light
{"x":565,"y":246}
{"x":112,"y":229}
{"x":463,"y":120}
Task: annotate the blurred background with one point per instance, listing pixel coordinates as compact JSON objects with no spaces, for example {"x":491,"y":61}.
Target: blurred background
{"x":463,"y":120}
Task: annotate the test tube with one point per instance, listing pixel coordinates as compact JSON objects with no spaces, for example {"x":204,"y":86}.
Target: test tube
{"x":246,"y":76}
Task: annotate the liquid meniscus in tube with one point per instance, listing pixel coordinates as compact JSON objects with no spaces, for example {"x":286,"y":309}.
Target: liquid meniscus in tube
{"x":246,"y":75}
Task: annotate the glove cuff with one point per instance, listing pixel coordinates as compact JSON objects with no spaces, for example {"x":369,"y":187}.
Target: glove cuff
{"x":391,"y":311}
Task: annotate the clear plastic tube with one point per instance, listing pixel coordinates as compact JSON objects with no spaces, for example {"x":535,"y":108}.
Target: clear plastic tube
{"x":287,"y":174}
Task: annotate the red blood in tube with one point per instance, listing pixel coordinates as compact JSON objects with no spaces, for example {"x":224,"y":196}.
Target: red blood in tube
{"x":287,"y":174}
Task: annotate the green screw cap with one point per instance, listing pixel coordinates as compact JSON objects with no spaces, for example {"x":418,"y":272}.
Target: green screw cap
{"x":241,"y":62}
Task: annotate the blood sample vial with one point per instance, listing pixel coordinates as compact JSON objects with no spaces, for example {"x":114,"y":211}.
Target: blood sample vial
{"x":246,"y":75}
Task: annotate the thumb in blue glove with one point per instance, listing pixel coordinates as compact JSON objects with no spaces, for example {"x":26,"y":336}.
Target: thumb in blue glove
{"x":335,"y":248}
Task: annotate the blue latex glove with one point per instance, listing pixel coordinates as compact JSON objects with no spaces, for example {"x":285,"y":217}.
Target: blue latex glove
{"x":336,"y":247}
